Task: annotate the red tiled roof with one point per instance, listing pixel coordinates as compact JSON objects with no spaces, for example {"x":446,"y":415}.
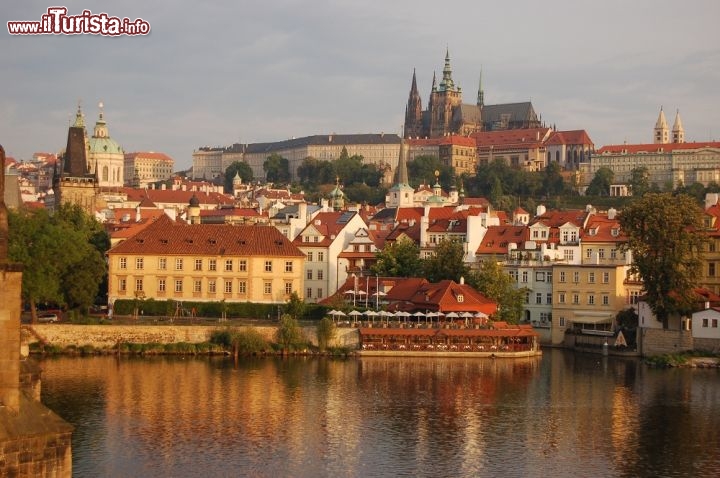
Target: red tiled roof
{"x":578,"y":136}
{"x":511,"y":137}
{"x":176,"y":196}
{"x":600,"y":229}
{"x":164,"y":236}
{"x":654,"y":148}
{"x":235,"y":211}
{"x":497,"y":238}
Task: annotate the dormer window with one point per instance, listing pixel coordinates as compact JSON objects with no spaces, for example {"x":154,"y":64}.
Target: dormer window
{"x":460,"y":298}
{"x":615,"y":231}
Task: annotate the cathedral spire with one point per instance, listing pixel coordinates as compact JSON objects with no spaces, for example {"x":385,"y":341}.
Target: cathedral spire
{"x":447,"y":83}
{"x":678,"y":132}
{"x":661,"y":132}
{"x":434,"y":83}
{"x":413,"y":111}
{"x":402,"y":172}
{"x":481,"y":93}
{"x":79,"y":117}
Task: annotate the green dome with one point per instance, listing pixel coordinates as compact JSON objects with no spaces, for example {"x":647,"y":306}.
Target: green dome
{"x":104,"y":145}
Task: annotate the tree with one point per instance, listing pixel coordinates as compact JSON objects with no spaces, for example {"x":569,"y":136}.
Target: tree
{"x":422,"y":169}
{"x":277,"y":169}
{"x":446,"y":263}
{"x":639,"y":181}
{"x":313,"y":172}
{"x":240,"y":167}
{"x":663,"y":235}
{"x":552,"y":181}
{"x":295,"y":306}
{"x":288,"y":334}
{"x":62,"y":256}
{"x":397,"y":259}
{"x":600,"y":184}
{"x":325,"y":333}
{"x":497,"y":285}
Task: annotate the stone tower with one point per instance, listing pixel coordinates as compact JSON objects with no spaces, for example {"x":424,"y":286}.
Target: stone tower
{"x":662,"y":132}
{"x":443,"y":100}
{"x":413,"y":112}
{"x":678,"y":132}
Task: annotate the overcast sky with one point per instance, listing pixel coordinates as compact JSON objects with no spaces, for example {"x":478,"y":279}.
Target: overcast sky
{"x":218,"y":72}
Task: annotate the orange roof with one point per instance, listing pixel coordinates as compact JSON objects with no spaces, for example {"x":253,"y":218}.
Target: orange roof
{"x":602,"y":229}
{"x":497,"y":238}
{"x":578,"y":136}
{"x":511,"y":137}
{"x":654,"y":148}
{"x":164,"y":236}
{"x":159,"y":196}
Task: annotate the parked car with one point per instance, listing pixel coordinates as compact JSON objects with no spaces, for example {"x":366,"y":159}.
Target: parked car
{"x":47,"y":318}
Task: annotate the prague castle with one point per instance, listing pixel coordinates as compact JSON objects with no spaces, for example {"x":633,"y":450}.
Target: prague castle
{"x":446,"y":114}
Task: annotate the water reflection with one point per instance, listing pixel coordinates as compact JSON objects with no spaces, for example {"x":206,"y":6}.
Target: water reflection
{"x":562,"y":414}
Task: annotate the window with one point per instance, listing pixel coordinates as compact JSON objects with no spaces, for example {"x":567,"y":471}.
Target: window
{"x":228,"y":265}
{"x":591,"y":299}
{"x":569,"y":255}
{"x":540,"y":276}
{"x":711,"y":269}
{"x":606,"y":277}
{"x":561,"y":297}
{"x":576,"y":277}
{"x":591,"y":277}
{"x":198,"y":264}
{"x":161,"y":285}
{"x":605,"y":299}
{"x":705,"y":322}
{"x":122,"y":285}
{"x":162,"y":263}
{"x":138,"y":285}
{"x":212,"y":264}
{"x":308,"y":293}
{"x":310,"y":256}
{"x":319,"y":293}
{"x":588,"y":253}
{"x":576,"y":299}
{"x":267,"y":287}
{"x":242,"y":287}
{"x":562,"y":276}
{"x":178,"y":264}
{"x":714,"y":323}
{"x":197,"y":285}
{"x":242,"y":265}
{"x":309,"y":275}
{"x":601,"y":253}
{"x":613,"y":253}
{"x":545,"y":317}
{"x":178,"y":285}
{"x":548,"y":298}
{"x":139,"y":262}
{"x":321,"y":256}
{"x":228,"y":287}
{"x":513,"y":275}
{"x":268,"y":266}
{"x":562,"y":321}
{"x":288,"y":266}
{"x":548,"y":276}
{"x":538,"y":298}
{"x":320,"y":274}
{"x":288,"y":288}
{"x":212,"y":286}
{"x":123,"y":263}
{"x":460,"y":298}
{"x":524,"y":277}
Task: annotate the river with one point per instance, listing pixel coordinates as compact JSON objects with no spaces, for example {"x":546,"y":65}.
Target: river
{"x":559,"y":415}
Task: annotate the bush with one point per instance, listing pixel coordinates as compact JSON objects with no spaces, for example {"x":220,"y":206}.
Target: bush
{"x":325,"y":333}
{"x":250,"y":341}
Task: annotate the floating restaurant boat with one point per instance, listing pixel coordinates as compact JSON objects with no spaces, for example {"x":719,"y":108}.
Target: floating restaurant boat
{"x":499,"y":340}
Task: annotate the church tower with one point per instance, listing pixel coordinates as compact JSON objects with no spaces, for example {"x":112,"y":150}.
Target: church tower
{"x":106,"y":159}
{"x":481,"y":93}
{"x":662,"y":132}
{"x":678,"y":132}
{"x":413,"y":112}
{"x":443,"y":101}
{"x":401,"y":194}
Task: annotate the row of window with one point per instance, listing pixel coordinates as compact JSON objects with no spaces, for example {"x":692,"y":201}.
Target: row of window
{"x":320,"y":256}
{"x":319,"y":276}
{"x":309,"y":293}
{"x":590,"y":299}
{"x":591,"y":277}
{"x":228,"y":286}
{"x":229,"y":265}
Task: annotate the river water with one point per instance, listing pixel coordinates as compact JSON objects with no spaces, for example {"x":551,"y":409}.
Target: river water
{"x":559,"y":415}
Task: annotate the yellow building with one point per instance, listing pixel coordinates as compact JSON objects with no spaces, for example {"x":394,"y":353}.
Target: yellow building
{"x":201,"y":262}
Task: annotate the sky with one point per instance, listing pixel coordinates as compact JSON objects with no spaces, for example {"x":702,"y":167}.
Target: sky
{"x":219,"y":72}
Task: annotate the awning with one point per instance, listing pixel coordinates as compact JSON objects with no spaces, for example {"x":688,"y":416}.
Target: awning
{"x":592,"y":319}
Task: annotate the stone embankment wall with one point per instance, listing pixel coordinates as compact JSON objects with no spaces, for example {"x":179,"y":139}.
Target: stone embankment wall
{"x":107,"y":336}
{"x":661,"y":342}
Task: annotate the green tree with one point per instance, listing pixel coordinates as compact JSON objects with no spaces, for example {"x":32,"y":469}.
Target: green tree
{"x":497,"y":285}
{"x":422,"y":169}
{"x":639,"y":181}
{"x":600,"y":184}
{"x":446,"y":263}
{"x":288,"y":335}
{"x":397,"y":259}
{"x":663,"y":235}
{"x":552,"y":181}
{"x":240,"y":167}
{"x":325,"y":333}
{"x":313,"y":172}
{"x":277,"y":169}
{"x":295,"y":306}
